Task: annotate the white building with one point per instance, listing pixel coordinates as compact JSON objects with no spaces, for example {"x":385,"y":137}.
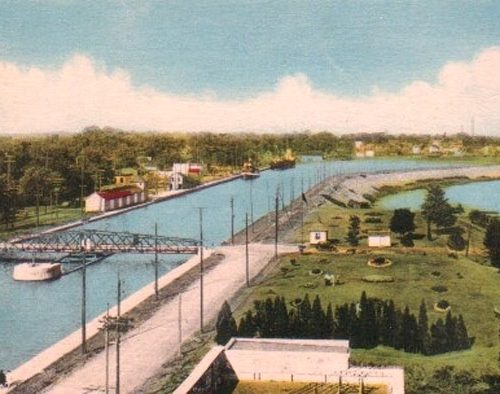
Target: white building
{"x":105,"y":201}
{"x":285,"y":360}
{"x":175,"y":180}
{"x":379,"y":239}
{"x":318,"y":237}
{"x":187,"y":168}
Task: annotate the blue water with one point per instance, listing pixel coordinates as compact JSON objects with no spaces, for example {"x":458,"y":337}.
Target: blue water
{"x":33,"y":316}
{"x":478,"y":195}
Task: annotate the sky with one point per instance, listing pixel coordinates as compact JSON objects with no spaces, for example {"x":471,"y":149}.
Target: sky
{"x":265,"y":66}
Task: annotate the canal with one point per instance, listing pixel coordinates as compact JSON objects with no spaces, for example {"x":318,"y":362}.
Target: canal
{"x":33,"y":316}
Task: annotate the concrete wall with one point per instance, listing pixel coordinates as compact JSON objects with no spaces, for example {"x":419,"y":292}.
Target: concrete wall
{"x":282,"y":364}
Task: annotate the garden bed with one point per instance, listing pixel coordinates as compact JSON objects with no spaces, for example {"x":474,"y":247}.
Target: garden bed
{"x":379,"y":262}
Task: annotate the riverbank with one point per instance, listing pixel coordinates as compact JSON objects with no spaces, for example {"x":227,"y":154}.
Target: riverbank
{"x":361,"y":190}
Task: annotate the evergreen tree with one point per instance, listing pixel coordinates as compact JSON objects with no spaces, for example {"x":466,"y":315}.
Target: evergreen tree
{"x":424,"y":339}
{"x":368,"y":336}
{"x":343,"y":324}
{"x":329,"y":323}
{"x":305,"y":318}
{"x":439,"y":338}
{"x":463,"y":340}
{"x":280,"y":318}
{"x":353,"y":232}
{"x":247,"y":328}
{"x":353,"y":330}
{"x":455,"y":240}
{"x":389,"y":324}
{"x":437,"y":210}
{"x":451,"y":332}
{"x":492,"y":242}
{"x":267,"y":325}
{"x":318,"y":319}
{"x":225,"y":325}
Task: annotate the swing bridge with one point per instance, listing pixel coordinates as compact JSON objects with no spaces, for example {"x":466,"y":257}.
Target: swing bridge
{"x":110,"y":242}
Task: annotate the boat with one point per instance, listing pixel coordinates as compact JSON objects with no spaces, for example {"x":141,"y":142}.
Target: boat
{"x":37,"y":271}
{"x":249,"y":171}
{"x":284,"y":162}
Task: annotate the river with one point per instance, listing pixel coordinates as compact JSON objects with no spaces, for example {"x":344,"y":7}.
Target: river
{"x":34,"y":316}
{"x":477,"y":195}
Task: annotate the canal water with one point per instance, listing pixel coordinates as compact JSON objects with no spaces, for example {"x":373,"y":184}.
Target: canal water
{"x":477,"y":195}
{"x":34,"y":316}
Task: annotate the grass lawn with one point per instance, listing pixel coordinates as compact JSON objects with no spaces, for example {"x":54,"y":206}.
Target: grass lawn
{"x":473,"y":289}
{"x":26,"y":220}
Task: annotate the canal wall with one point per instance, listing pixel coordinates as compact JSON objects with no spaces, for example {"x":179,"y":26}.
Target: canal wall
{"x":71,"y":342}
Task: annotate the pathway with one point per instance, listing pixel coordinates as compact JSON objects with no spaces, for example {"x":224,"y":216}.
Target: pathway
{"x":150,"y":345}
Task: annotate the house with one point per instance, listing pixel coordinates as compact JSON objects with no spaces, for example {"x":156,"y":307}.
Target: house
{"x":286,"y":360}
{"x":187,"y":168}
{"x":109,"y":200}
{"x":175,"y":180}
{"x":369,"y":153}
{"x":125,"y":176}
{"x":416,"y":150}
{"x":435,"y":148}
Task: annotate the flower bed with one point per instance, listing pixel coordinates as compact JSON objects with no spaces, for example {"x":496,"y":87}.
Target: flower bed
{"x":315,"y":272}
{"x":442,"y":306}
{"x":379,"y":262}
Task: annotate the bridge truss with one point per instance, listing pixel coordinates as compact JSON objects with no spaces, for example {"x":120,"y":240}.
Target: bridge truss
{"x":87,"y":240}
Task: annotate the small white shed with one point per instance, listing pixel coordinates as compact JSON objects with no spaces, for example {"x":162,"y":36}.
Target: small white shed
{"x":379,"y":239}
{"x":318,"y":237}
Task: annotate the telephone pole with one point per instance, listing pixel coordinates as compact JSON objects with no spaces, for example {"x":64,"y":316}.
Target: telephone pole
{"x":276,"y":222}
{"x":118,"y":334}
{"x":201,"y":269}
{"x":247,"y":273}
{"x":156,"y":261}
{"x":81,"y":160}
{"x":179,"y":321}
{"x":251,"y":202}
{"x":232,"y":220}
{"x":84,"y":300}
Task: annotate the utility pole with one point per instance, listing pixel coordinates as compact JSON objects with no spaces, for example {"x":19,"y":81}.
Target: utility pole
{"x":118,"y":317}
{"x":276,"y":222}
{"x":81,"y":160}
{"x":179,"y":320}
{"x":201,"y":269}
{"x":247,"y":273}
{"x":251,"y":202}
{"x":9,"y":160}
{"x":156,"y":261}
{"x":232,"y":220}
{"x":107,"y":324}
{"x":84,"y":299}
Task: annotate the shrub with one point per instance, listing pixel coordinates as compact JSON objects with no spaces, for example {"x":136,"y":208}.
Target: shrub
{"x":436,"y":273}
{"x":373,"y":220}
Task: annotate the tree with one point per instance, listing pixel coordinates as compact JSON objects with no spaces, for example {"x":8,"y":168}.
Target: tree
{"x":353,"y":232}
{"x":402,"y":221}
{"x":424,"y":339}
{"x":225,"y":325}
{"x":492,"y":242}
{"x":35,"y":185}
{"x":437,"y":210}
{"x":455,"y":240}
{"x":7,"y":203}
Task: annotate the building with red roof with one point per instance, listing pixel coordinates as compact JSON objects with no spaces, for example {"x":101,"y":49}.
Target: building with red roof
{"x":109,"y":200}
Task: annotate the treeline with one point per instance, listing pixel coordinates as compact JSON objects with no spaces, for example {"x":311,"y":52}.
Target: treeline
{"x":101,"y":151}
{"x":366,"y":324}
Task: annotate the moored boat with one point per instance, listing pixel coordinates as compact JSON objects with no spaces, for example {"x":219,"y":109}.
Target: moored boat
{"x":249,"y":171}
{"x":284,"y":162}
{"x":37,"y":271}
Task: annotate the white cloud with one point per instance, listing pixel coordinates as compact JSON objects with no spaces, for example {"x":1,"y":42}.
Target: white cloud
{"x":83,"y":93}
